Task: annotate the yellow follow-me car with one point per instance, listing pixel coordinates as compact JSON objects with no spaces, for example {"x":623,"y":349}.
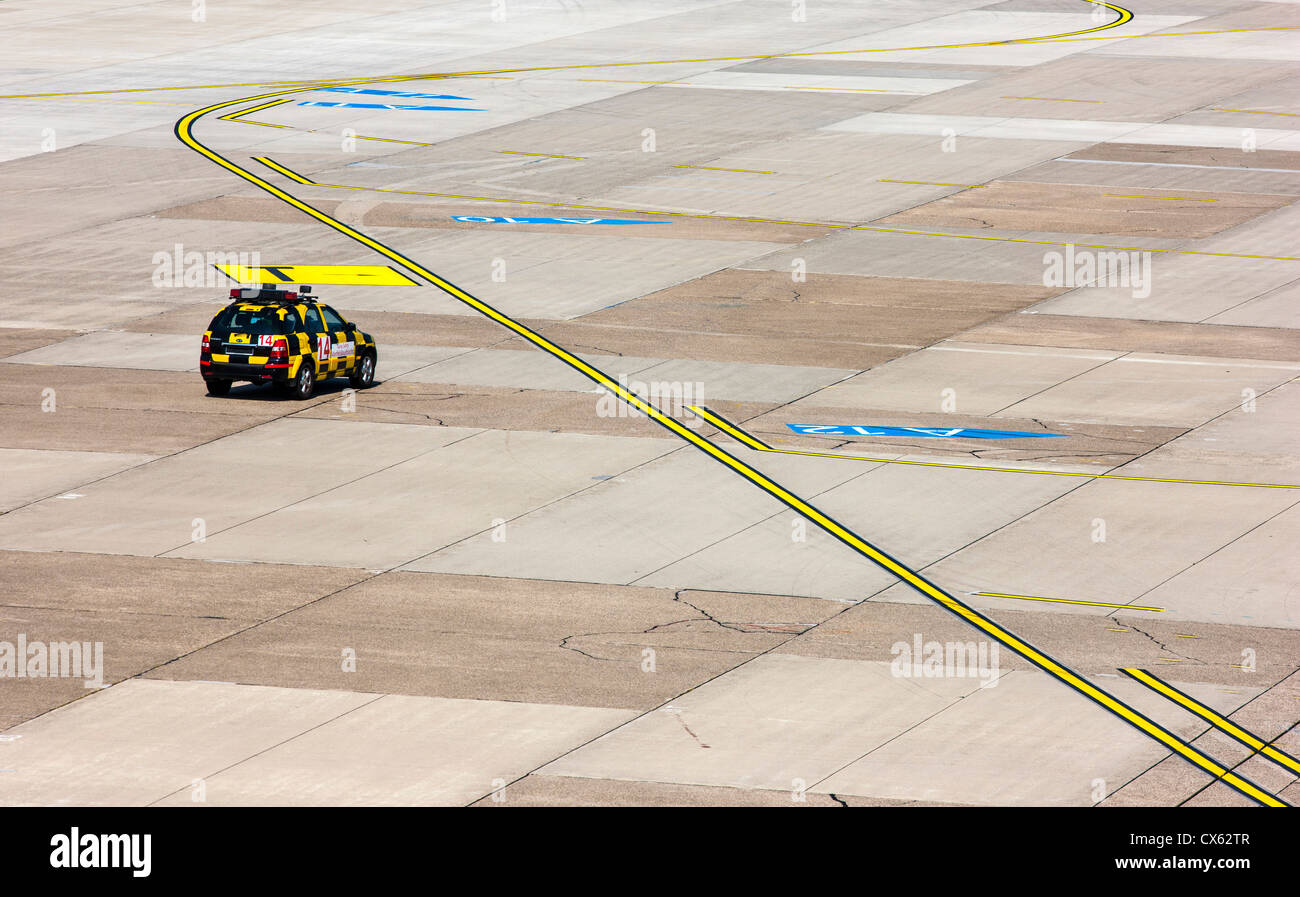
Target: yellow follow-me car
{"x":286,"y":338}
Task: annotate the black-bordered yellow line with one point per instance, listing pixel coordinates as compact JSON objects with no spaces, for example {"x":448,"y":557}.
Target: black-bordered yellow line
{"x":1158,"y":610}
{"x":1218,"y":720}
{"x":184,"y":132}
{"x":758,"y":445}
{"x":287,"y":172}
{"x":238,"y":116}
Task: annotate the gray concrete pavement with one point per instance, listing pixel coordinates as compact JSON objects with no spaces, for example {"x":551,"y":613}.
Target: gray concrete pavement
{"x":483,"y":578}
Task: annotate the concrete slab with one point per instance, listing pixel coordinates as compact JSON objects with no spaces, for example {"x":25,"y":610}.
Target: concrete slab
{"x":139,"y":741}
{"x":116,"y":349}
{"x":982,"y":379}
{"x":493,"y":638}
{"x":1170,"y":390}
{"x":1217,"y":337}
{"x":1003,"y":746}
{"x":399,"y":750}
{"x":1020,"y":205}
{"x":778,"y":722}
{"x":154,"y":508}
{"x":1053,"y":552}
{"x":626,"y":527}
{"x":918,"y":515}
{"x":457,"y":487}
{"x":250,"y":745}
{"x":1274,"y":308}
{"x":33,"y":474}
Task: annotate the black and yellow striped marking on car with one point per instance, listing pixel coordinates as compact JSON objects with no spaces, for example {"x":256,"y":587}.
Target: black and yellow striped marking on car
{"x":184,"y":132}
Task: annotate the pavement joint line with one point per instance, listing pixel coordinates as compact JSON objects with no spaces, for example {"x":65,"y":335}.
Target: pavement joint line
{"x":753,"y":442}
{"x":1215,"y":719}
{"x":183,"y":131}
{"x":1069,"y":601}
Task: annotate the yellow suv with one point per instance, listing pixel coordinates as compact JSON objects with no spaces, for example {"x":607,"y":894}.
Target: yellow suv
{"x":285,"y":338}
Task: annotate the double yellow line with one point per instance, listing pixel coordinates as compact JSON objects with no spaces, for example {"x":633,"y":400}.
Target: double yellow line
{"x":1215,"y":719}
{"x":184,"y":132}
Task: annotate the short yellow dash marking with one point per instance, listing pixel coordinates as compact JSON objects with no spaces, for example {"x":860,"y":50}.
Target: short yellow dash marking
{"x":1052,"y":99}
{"x":1148,"y":196}
{"x":544,"y":155}
{"x":1256,"y":111}
{"x":713,"y":168}
{"x":851,"y":89}
{"x":933,"y":183}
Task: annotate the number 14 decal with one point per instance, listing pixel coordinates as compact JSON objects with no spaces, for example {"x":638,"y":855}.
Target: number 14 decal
{"x":323,"y":347}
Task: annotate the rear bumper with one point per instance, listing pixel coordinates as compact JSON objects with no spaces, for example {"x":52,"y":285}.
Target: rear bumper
{"x":256,"y":373}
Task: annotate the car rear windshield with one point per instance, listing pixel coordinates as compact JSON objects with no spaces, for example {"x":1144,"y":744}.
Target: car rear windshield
{"x":238,"y":320}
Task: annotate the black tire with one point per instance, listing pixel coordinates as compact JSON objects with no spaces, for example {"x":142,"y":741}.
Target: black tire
{"x":302,"y":386}
{"x":217,"y":386}
{"x":364,"y":375}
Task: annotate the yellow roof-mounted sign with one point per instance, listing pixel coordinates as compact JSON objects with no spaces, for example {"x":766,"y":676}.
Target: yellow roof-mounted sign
{"x":359,"y":275}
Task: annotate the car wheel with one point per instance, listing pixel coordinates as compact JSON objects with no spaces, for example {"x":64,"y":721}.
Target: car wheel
{"x":305,"y":383}
{"x":217,"y":386}
{"x":364,"y":376}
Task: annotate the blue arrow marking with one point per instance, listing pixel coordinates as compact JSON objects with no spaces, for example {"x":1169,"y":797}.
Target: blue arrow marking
{"x":386,"y":106}
{"x":489,"y":219}
{"x":929,"y":432}
{"x":393,"y":93}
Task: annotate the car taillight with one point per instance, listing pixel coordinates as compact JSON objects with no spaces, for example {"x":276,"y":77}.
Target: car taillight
{"x":280,"y":348}
{"x":205,"y":343}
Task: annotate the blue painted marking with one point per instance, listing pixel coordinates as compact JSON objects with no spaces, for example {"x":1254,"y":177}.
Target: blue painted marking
{"x":387,"y":106}
{"x":933,"y":432}
{"x":488,"y":219}
{"x":368,"y":91}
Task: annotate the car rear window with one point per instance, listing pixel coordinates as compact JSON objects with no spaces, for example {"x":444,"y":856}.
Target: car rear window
{"x":243,"y":321}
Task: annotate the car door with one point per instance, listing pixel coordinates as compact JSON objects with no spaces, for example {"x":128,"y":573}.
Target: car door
{"x":343,"y":349}
{"x":319,"y":336}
